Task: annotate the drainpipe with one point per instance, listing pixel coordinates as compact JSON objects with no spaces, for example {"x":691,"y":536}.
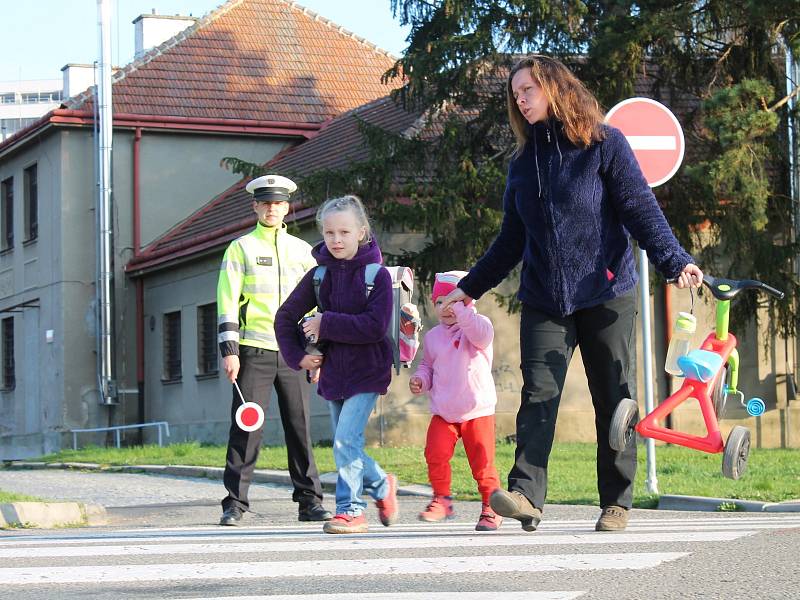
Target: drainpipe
{"x":137,"y":241}
{"x":108,"y":391}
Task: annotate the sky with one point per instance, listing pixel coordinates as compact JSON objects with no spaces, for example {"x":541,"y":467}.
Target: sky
{"x":41,"y":36}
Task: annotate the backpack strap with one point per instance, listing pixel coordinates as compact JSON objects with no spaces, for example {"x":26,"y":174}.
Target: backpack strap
{"x":370,"y":272}
{"x":319,"y":275}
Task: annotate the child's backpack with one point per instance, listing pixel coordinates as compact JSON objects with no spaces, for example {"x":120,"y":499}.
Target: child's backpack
{"x":405,"y":324}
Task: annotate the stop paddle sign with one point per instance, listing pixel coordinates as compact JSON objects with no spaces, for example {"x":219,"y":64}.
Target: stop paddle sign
{"x":249,"y":416}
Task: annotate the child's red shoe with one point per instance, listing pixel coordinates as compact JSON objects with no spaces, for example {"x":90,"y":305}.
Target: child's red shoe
{"x":489,"y":520}
{"x":346,"y":524}
{"x":388,"y":509}
{"x":440,"y":508}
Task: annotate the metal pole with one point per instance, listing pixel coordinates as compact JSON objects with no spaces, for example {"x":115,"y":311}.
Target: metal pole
{"x":104,"y":221}
{"x":116,"y":437}
{"x":74,"y":441}
{"x":159,"y":435}
{"x":793,"y":79}
{"x":651,"y":482}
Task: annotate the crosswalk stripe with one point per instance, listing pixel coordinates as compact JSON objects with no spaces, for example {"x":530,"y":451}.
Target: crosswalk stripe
{"x":332,"y":568}
{"x":244,"y":534}
{"x":416,"y":596}
{"x":367,"y":542}
{"x":721,"y":520}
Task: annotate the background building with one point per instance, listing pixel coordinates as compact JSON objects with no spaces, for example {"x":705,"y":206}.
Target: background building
{"x":247,"y":80}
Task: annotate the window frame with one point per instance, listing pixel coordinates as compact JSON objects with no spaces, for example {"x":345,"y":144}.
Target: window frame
{"x":207,"y":340}
{"x":9,"y":376}
{"x":7,"y":214}
{"x":31,"y":201}
{"x":172,"y":364}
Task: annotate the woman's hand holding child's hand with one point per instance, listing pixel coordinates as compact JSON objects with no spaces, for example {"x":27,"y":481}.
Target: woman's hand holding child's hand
{"x":457,"y":295}
{"x":415,"y":385}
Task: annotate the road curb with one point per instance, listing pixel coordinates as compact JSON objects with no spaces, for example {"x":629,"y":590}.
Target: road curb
{"x":328,"y":480}
{"x":705,"y":504}
{"x":51,"y":514}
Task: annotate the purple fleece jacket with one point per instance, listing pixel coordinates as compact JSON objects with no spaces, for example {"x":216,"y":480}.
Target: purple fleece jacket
{"x":358,"y":355}
{"x":568,"y":212}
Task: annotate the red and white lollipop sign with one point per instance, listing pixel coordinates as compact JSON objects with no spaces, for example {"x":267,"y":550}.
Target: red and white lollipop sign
{"x":654,"y":134}
{"x":249,"y":416}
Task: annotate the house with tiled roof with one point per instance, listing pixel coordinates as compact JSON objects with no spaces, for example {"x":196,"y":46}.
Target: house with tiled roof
{"x":180,"y":269}
{"x":250,"y":79}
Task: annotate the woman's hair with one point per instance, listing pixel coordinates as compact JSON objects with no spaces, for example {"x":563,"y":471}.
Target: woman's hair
{"x":348,"y":202}
{"x":569,"y":102}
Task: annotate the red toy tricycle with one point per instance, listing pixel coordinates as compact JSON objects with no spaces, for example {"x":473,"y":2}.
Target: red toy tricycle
{"x":711,"y":374}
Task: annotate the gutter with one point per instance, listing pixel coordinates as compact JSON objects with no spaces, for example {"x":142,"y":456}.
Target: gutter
{"x":67,"y":116}
{"x":151,"y":261}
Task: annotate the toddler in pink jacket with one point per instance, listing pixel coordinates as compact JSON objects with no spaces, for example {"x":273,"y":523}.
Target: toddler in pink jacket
{"x":456,"y":372}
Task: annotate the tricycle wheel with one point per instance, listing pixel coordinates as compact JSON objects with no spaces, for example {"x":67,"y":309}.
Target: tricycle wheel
{"x":623,"y":424}
{"x":737,"y":449}
{"x":719,"y":395}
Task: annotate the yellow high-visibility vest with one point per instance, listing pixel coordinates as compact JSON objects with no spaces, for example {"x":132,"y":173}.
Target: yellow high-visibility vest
{"x":258,"y":272}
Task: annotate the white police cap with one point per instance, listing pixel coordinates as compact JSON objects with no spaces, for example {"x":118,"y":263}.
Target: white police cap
{"x":271,"y":188}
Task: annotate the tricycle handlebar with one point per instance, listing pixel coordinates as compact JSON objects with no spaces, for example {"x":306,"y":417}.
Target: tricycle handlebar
{"x":726,"y":289}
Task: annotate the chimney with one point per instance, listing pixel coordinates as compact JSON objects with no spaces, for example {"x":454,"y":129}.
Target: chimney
{"x":152,"y":30}
{"x":77,"y":78}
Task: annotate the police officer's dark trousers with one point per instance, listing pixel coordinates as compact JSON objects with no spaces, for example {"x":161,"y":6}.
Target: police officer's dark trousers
{"x":604,"y":335}
{"x":259,"y":371}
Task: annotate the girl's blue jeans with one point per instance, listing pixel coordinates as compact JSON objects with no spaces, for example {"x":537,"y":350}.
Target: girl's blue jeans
{"x":358,"y":473}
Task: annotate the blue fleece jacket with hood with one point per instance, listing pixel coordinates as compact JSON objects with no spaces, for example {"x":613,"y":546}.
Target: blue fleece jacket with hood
{"x":568,"y":213}
{"x":358,"y":354}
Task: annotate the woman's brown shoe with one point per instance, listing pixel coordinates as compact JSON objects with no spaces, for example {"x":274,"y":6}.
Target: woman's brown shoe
{"x":516,"y":506}
{"x":613,"y":518}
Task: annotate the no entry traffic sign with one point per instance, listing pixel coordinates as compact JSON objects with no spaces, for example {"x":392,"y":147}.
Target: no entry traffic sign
{"x":654,"y":134}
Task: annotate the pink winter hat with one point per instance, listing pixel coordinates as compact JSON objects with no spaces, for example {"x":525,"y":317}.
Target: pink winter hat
{"x":446,"y":283}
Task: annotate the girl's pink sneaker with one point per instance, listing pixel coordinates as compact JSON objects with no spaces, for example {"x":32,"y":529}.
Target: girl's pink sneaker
{"x":440,"y":508}
{"x":346,"y":524}
{"x":489,"y":520}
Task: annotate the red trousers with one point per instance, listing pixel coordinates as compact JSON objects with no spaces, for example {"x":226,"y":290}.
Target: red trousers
{"x":478,"y":438}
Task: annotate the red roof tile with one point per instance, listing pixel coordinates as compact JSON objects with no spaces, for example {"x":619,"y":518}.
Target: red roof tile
{"x":338,"y":144}
{"x":267,"y":60}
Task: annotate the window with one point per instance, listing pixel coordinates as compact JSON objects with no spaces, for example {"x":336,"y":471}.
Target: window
{"x":7,"y":214}
{"x":31,"y":203}
{"x":172,"y":346}
{"x":9,"y":379}
{"x":207,"y":363}
{"x":9,"y":127}
{"x":37,"y":97}
{"x":8,"y":98}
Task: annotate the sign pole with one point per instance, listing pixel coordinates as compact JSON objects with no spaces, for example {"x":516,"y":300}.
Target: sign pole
{"x":651,"y":481}
{"x":656,"y":138}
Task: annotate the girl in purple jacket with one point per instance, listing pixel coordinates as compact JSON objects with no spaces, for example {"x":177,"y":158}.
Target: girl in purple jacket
{"x":351,"y":328}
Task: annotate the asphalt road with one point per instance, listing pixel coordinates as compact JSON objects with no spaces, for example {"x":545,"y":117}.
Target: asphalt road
{"x":161,"y":543}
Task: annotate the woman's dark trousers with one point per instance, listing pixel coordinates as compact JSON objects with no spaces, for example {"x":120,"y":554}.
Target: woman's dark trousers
{"x":604,"y":334}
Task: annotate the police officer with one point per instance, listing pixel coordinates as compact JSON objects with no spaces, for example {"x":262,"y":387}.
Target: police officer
{"x":258,"y":272}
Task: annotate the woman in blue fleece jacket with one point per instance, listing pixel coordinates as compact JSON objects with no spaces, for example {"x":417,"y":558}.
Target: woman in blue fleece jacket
{"x":573,"y":196}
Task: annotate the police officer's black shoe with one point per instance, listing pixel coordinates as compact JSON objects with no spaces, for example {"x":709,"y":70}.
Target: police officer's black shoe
{"x":313,"y":512}
{"x":231,"y":516}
